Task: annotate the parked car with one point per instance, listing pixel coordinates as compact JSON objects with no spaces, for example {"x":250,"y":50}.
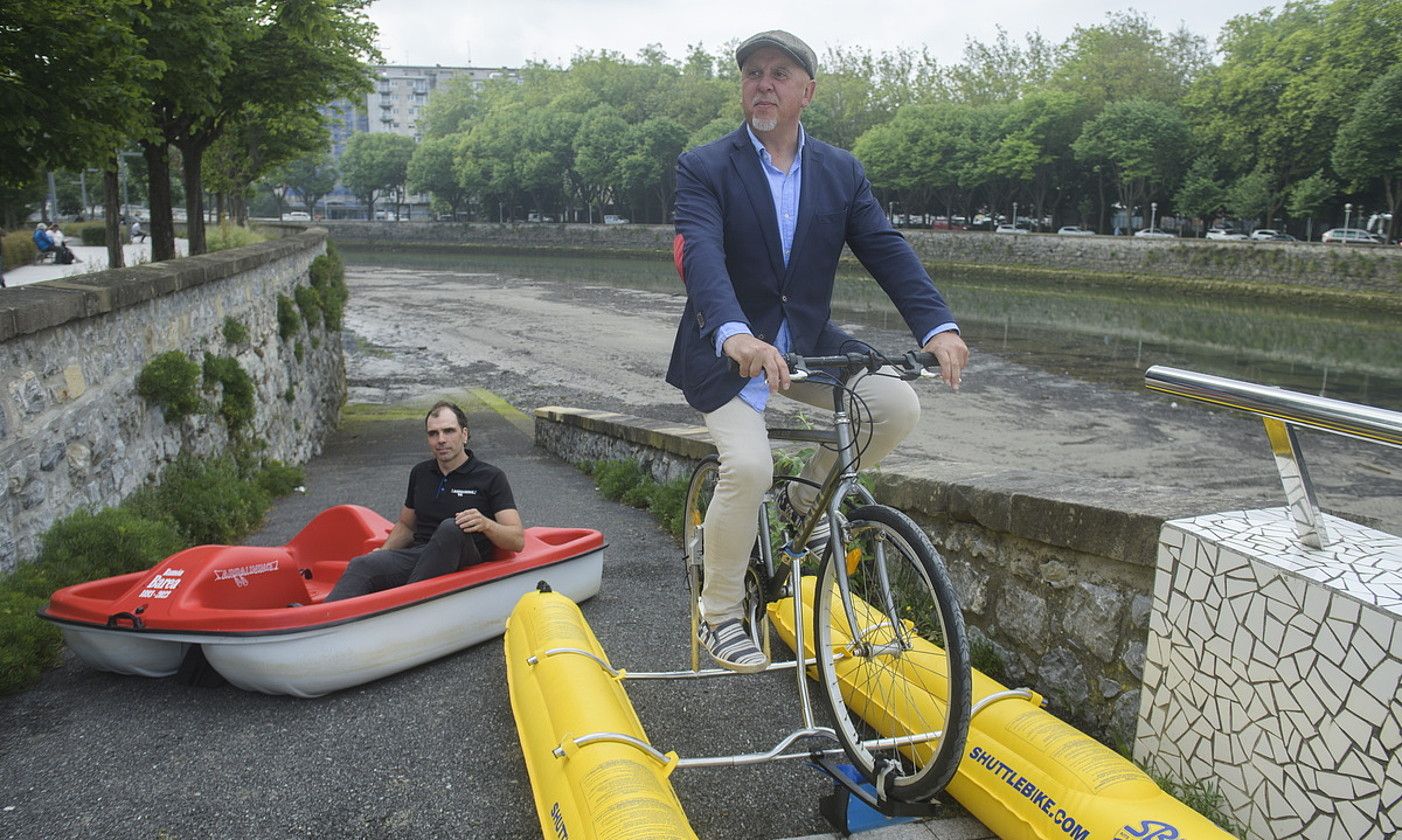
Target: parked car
{"x":1010,"y":229}
{"x":1283,"y":237}
{"x":1350,"y":236}
{"x":1073,"y":230}
{"x":1226,"y":234}
{"x":1263,"y":233}
{"x":610,"y":219}
{"x":297,"y":216}
{"x":1154,"y":233}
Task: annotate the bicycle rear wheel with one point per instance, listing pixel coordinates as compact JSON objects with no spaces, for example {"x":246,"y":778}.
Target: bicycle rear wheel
{"x":902,"y":672}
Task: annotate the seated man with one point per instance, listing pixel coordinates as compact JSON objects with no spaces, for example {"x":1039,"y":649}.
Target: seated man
{"x":42,"y":240}
{"x":457,"y":509}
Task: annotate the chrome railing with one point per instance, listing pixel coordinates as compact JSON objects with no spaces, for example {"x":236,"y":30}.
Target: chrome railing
{"x":1284,"y":411}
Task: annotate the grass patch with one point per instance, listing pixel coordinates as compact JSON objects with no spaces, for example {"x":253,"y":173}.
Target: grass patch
{"x":1203,"y":797}
{"x":235,"y":332}
{"x":328,"y":276}
{"x":226,"y":236}
{"x":308,"y":303}
{"x":236,"y":406}
{"x":625,"y":481}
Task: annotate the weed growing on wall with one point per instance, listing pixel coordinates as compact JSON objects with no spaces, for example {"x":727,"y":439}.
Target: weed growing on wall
{"x":625,"y":481}
{"x":288,"y":321}
{"x":236,"y":406}
{"x":328,"y":275}
{"x":169,"y":380}
{"x":309,"y":304}
{"x":207,"y":500}
{"x":235,"y":332}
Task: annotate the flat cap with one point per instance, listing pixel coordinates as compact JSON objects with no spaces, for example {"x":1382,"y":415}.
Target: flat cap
{"x":780,"y":40}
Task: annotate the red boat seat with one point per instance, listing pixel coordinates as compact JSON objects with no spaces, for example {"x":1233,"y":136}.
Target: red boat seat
{"x":244,"y":577}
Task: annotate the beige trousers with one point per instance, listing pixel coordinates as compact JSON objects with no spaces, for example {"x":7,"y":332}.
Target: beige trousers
{"x":888,"y":410}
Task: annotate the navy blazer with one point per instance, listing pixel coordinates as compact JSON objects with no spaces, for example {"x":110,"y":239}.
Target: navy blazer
{"x":732,"y":261}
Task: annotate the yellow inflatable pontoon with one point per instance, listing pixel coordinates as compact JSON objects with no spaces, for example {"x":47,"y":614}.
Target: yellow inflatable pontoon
{"x":563,"y":695}
{"x":1027,"y":775}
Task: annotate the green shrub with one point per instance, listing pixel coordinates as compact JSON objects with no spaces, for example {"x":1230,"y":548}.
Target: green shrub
{"x":298,"y":351}
{"x":308,"y":303}
{"x":17,"y":248}
{"x":328,"y":275}
{"x":207,"y":500}
{"x":236,"y":406}
{"x":227,"y":236}
{"x":288,"y":321}
{"x":169,"y":381}
{"x":278,"y":479}
{"x":28,"y":644}
{"x":234,"y":331}
{"x":290,"y":395}
{"x":86,"y":546}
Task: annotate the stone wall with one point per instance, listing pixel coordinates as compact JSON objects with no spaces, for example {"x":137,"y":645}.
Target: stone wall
{"x":1353,"y":268}
{"x":73,"y":431}
{"x":1056,"y":592}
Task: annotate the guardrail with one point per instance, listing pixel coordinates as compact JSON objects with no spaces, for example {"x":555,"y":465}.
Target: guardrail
{"x":1283,"y":411}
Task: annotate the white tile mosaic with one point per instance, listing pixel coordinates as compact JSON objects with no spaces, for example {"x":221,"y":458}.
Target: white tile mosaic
{"x":1273,"y":669}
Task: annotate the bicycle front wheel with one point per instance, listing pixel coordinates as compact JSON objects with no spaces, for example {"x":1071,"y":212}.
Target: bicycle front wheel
{"x":895,"y":667}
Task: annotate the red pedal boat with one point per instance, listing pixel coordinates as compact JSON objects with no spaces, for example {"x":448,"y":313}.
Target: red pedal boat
{"x":255,"y":612}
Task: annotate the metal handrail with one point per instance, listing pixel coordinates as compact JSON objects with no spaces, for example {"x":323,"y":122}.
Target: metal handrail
{"x":1282,"y":412}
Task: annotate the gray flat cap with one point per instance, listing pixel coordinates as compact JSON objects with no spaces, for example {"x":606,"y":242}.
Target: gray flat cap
{"x":780,"y":40}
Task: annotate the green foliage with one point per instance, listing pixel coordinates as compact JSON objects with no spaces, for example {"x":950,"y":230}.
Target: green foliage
{"x":227,"y":236}
{"x":309,"y":304}
{"x":209,"y":501}
{"x":17,"y":249}
{"x":626,"y":482}
{"x":311,"y":176}
{"x":299,"y":351}
{"x":28,"y":645}
{"x":290,"y":395}
{"x":984,"y":657}
{"x":237,"y":405}
{"x":278,"y":479}
{"x":288,"y":321}
{"x":1308,"y":197}
{"x":1204,"y":797}
{"x":376,"y":163}
{"x":234,"y":331}
{"x":85,"y":546}
{"x":169,"y":380}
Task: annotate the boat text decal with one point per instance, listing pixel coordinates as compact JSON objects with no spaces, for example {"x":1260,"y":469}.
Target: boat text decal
{"x":163,"y":584}
{"x":559,"y":819}
{"x":1043,"y":802}
{"x":1148,"y":830}
{"x":241,"y":574}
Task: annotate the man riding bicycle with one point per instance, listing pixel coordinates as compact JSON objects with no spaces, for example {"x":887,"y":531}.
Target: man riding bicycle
{"x":762,"y":216}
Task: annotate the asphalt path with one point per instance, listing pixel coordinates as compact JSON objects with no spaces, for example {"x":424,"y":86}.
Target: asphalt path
{"x":429,"y":753}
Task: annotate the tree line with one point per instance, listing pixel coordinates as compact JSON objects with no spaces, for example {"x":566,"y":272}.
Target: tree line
{"x":1290,"y":113}
{"x":225,"y":90}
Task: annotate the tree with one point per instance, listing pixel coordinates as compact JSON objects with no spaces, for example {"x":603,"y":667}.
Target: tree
{"x":1141,"y":144}
{"x":255,"y":144}
{"x":1125,"y":58}
{"x":1201,"y":195}
{"x":1309,"y":196}
{"x":598,"y":147}
{"x":1369,"y":144}
{"x":431,"y":170}
{"x":374,"y":164}
{"x":1252,"y":197}
{"x":312,"y":177}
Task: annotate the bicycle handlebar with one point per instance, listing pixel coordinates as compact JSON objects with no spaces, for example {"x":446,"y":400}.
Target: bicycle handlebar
{"x":911,"y":365}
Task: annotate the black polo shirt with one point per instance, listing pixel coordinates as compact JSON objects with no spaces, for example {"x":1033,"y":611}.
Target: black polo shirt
{"x":434,"y":496}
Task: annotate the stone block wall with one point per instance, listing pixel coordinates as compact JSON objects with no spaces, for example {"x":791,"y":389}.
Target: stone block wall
{"x":1275,"y":669}
{"x":1055,"y":589}
{"x":74,"y":433}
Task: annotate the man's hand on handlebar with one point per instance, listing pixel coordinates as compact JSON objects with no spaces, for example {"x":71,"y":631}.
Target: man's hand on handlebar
{"x":953,"y":356}
{"x":754,"y":357}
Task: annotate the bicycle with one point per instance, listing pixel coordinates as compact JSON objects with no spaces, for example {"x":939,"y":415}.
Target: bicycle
{"x":884,"y":611}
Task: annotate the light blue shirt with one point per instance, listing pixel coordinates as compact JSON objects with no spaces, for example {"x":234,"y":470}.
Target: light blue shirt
{"x":784,"y":188}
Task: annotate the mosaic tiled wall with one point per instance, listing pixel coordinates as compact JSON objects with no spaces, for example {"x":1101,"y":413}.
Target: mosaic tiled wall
{"x":1273,"y":670}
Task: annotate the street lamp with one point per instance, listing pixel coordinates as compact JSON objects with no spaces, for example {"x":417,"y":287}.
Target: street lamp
{"x":1014,"y":215}
{"x":1348,"y":210}
{"x":1153,"y":214}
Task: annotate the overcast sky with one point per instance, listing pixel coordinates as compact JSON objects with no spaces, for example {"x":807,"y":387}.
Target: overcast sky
{"x":507,"y":33}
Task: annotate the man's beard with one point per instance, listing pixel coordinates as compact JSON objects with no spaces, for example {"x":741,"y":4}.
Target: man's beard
{"x":764,"y":123}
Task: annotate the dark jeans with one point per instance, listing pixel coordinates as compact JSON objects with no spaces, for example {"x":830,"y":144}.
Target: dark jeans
{"x":447,"y":551}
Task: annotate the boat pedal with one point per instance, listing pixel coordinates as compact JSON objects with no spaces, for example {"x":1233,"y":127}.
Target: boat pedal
{"x":853,"y":807}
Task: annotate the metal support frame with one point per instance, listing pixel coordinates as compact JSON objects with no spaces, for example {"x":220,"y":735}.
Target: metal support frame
{"x":1283,"y":412}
